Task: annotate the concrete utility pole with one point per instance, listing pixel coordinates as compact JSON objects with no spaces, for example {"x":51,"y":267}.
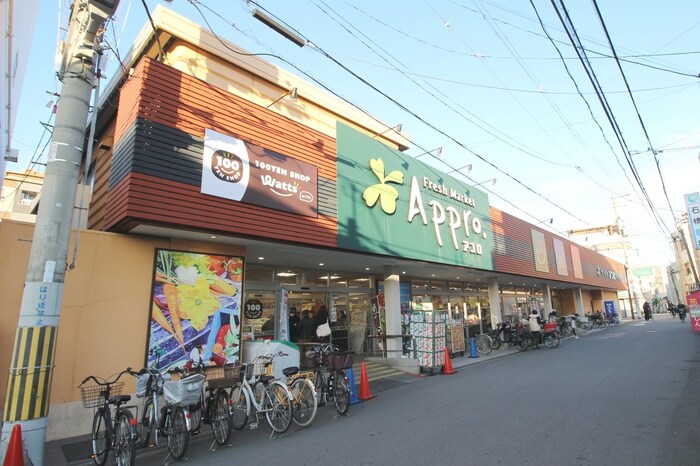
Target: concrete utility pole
{"x":31,"y":366}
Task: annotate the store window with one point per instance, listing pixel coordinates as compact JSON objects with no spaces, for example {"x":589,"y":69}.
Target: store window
{"x":289,"y":276}
{"x":258,"y":315}
{"x":259,"y":273}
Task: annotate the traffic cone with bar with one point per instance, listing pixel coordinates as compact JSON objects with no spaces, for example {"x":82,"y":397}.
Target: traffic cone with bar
{"x":365,"y":394}
{"x":447,"y":368}
{"x":353,"y":391}
{"x":14,"y":455}
{"x":472,"y":348}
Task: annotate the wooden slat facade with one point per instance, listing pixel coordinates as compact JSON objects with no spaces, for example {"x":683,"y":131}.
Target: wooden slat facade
{"x":514,"y":254}
{"x":156,"y":166}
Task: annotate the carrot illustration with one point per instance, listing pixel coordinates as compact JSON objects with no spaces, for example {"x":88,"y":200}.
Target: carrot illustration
{"x":170,"y":292}
{"x":159,"y":317}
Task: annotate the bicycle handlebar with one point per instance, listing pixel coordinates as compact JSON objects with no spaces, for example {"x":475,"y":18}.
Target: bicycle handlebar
{"x":106,"y":382}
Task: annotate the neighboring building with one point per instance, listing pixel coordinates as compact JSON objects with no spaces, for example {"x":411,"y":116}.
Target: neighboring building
{"x":686,"y":259}
{"x":17,"y":20}
{"x":20,"y":195}
{"x":218,"y":205}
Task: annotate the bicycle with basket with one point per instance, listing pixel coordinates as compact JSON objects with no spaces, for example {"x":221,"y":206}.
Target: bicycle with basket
{"x":213,"y":407}
{"x":110,"y":431}
{"x":329,"y":366}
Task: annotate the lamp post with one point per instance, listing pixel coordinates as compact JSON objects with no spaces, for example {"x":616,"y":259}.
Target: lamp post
{"x":31,"y":369}
{"x":492,"y":181}
{"x":437,"y":152}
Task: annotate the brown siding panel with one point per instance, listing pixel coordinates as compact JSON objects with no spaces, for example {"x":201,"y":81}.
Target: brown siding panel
{"x":513,"y":254}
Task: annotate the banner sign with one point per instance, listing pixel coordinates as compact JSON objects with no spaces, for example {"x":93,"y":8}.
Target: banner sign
{"x":539,"y":251}
{"x":560,"y":257}
{"x":240,"y":171}
{"x":692,"y":202}
{"x":694,"y":308}
{"x":391,"y":203}
{"x":195,"y":301}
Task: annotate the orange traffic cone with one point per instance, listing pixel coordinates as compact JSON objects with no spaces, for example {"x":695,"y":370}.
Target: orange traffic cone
{"x":447,"y":368}
{"x":365,"y":394}
{"x":14,"y":455}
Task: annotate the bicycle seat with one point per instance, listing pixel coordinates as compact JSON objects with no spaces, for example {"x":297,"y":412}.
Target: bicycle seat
{"x":266,"y":378}
{"x":290,"y":371}
{"x":119,"y":399}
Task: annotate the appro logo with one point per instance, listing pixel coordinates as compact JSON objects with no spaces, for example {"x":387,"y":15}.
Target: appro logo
{"x":227,"y":166}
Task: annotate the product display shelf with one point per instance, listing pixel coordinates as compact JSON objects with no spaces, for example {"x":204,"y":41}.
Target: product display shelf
{"x":455,"y":337}
{"x":428,"y":329}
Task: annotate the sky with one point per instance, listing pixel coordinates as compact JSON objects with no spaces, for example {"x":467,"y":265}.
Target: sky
{"x":496,"y":84}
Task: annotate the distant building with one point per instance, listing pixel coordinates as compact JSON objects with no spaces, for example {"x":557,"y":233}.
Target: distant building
{"x":20,"y":195}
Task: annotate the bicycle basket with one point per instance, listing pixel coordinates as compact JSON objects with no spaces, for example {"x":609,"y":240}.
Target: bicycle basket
{"x":312,"y":358}
{"x":184,"y":392}
{"x":227,"y":376}
{"x":94,"y":395}
{"x":340,"y":360}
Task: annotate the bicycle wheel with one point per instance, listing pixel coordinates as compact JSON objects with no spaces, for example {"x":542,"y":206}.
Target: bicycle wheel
{"x":240,"y":406}
{"x":278,"y":407}
{"x":99,"y":438}
{"x":221,"y":420}
{"x":484,"y":344}
{"x":125,"y":439}
{"x":341,"y":393}
{"x":147,"y":424}
{"x":178,"y":434}
{"x":551,"y":339}
{"x":305,"y":402}
{"x":495,"y":342}
{"x":523,"y":342}
{"x":584,"y":327}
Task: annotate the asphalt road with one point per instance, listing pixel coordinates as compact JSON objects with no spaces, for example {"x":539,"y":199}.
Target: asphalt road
{"x":628,"y":395}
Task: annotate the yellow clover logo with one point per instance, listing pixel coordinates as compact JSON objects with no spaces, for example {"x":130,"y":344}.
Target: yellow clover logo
{"x":382,"y":192}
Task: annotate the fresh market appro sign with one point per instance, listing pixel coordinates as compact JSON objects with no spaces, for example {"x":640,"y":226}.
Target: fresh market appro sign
{"x":410,"y":209}
{"x":236,"y":170}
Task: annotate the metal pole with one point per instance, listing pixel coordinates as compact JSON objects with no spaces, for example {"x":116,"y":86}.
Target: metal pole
{"x":32,"y":363}
{"x":620,"y":230}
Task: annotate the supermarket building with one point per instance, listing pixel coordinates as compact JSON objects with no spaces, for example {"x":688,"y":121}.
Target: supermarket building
{"x":307,"y":201}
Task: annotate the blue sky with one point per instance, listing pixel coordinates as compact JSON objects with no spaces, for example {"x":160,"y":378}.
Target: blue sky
{"x":484,"y":80}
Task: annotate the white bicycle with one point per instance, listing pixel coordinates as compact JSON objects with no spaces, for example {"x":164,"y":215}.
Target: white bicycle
{"x":261,"y":391}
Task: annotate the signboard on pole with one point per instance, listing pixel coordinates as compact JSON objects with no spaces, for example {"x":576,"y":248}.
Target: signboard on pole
{"x":692,"y":202}
{"x":694,"y":308}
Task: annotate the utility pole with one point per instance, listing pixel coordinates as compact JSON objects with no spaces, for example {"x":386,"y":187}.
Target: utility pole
{"x":32,"y":363}
{"x":621,"y":231}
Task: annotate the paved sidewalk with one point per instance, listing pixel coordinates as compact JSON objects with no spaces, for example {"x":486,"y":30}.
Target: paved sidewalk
{"x":76,"y":450}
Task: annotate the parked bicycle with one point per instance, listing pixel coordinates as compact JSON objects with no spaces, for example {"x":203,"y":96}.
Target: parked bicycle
{"x":511,"y":335}
{"x":303,"y":392}
{"x":172,"y":420}
{"x":110,"y":430}
{"x":332,"y":384}
{"x":213,"y":407}
{"x":256,"y":389}
{"x":175,"y":422}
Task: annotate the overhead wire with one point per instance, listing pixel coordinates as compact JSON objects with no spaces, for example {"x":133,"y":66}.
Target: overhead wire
{"x":419,"y":118}
{"x":634,"y":103}
{"x":565,"y":19}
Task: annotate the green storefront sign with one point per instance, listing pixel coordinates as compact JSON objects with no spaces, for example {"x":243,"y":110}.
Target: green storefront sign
{"x":390,"y":203}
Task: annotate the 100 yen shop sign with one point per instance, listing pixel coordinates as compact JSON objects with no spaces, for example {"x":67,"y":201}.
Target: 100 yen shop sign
{"x":240,"y":171}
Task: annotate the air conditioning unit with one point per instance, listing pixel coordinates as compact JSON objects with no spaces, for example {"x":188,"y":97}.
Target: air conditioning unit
{"x":12,"y":155}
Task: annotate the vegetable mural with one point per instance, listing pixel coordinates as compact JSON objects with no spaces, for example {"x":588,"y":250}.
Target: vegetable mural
{"x":196,"y":301}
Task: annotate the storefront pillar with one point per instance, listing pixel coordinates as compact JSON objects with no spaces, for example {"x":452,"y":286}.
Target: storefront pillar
{"x":494,"y":301}
{"x":547,"y":297}
{"x":392,"y":306}
{"x":578,"y":302}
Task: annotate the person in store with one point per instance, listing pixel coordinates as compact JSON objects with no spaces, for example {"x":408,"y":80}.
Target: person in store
{"x":294,"y":322}
{"x":321,"y":318}
{"x":268,"y":326}
{"x":535,"y":328}
{"x":306,"y":327}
